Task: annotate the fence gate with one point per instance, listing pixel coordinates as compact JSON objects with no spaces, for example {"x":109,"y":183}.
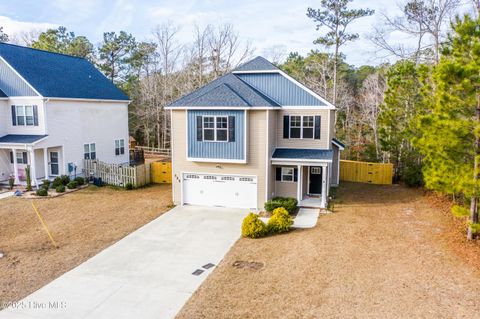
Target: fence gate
{"x":366,"y":172}
{"x":161,"y":172}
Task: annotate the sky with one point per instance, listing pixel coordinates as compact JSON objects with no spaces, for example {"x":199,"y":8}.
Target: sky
{"x":265,"y":23}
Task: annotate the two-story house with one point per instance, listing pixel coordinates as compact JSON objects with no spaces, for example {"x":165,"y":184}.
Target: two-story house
{"x":251,"y":135}
{"x":55,"y":111}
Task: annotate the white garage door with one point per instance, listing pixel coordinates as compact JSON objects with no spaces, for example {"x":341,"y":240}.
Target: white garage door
{"x":220,"y":190}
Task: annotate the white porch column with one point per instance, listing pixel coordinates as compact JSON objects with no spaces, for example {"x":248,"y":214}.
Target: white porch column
{"x":45,"y":162}
{"x":299,"y":182}
{"x":324,"y":186}
{"x":33,"y":170}
{"x":15,"y":165}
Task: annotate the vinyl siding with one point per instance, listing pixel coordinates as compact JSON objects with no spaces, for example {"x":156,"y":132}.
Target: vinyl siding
{"x":280,"y":89}
{"x":323,"y":142}
{"x":286,"y":189}
{"x":11,"y":84}
{"x":218,"y":150}
{"x":256,"y":154}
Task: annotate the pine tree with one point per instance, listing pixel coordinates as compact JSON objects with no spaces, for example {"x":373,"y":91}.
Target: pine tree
{"x":450,"y":131}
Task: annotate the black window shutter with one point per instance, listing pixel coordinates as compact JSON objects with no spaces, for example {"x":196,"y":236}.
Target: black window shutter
{"x":317,"y":127}
{"x":35,"y":115}
{"x":278,"y":174}
{"x":231,"y":128}
{"x":11,"y":157}
{"x":199,"y":128}
{"x":286,"y":126}
{"x":25,"y":158}
{"x":14,"y":116}
{"x":295,"y":174}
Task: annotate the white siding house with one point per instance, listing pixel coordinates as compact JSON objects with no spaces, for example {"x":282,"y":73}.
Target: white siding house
{"x":55,"y":111}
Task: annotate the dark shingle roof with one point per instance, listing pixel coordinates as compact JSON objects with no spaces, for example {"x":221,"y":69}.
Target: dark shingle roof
{"x":59,"y":75}
{"x":257,"y":64}
{"x":2,"y":94}
{"x":338,"y":142}
{"x":21,"y":139}
{"x":227,"y":90}
{"x":298,"y":153}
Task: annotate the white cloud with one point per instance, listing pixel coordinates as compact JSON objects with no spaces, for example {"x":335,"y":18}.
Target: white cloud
{"x":14,"y":27}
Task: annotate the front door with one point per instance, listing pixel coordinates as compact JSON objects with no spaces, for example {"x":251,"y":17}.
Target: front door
{"x":53,"y":163}
{"x":315,"y":180}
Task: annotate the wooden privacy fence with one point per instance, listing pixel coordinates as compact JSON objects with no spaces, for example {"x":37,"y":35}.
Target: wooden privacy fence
{"x":118,"y":174}
{"x":366,"y":172}
{"x":161,"y":172}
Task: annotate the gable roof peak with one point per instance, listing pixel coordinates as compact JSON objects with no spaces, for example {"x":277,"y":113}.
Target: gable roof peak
{"x":257,"y":64}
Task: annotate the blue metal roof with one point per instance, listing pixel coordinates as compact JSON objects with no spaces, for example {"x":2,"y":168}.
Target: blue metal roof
{"x":2,"y":94}
{"x":298,"y":153}
{"x":257,"y":64}
{"x":227,"y":90}
{"x":59,"y":75}
{"x":338,"y":142}
{"x":21,"y":139}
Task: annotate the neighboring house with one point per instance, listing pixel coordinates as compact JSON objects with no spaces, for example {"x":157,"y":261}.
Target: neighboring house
{"x":55,"y":111}
{"x":251,"y":135}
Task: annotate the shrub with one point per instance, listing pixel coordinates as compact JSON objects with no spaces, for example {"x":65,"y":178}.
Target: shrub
{"x":79,"y":180}
{"x":60,"y":189}
{"x":129,"y":186}
{"x":412,"y":176}
{"x":57,"y":182}
{"x":28,"y":177}
{"x":253,"y":227}
{"x":289,"y":203}
{"x":46,"y":184}
{"x":65,"y":179}
{"x":41,"y":192}
{"x":72,"y":185}
{"x":280,"y":222}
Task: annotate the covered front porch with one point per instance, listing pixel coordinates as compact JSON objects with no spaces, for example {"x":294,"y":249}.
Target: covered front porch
{"x":17,"y":152}
{"x":303,"y":174}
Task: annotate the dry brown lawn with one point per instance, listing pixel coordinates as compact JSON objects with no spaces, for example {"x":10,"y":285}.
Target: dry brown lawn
{"x":83,"y":223}
{"x":387,"y":252}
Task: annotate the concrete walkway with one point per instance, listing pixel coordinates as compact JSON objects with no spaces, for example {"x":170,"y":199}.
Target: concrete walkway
{"x":6,"y":195}
{"x":306,"y":218}
{"x":148,"y":274}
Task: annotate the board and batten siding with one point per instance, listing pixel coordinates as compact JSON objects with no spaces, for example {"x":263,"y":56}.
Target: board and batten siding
{"x":280,"y":89}
{"x":322,"y":143}
{"x":11,"y":84}
{"x":256,"y":154}
{"x":216,"y":150}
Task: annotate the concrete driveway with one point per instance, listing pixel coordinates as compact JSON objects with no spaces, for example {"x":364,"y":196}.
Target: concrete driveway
{"x":147,"y":274}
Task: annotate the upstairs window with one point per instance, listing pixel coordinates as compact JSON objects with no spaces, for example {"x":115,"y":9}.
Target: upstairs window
{"x":119,"y":147}
{"x":222,"y":128}
{"x":307,"y":129}
{"x":215,"y":128}
{"x":24,"y":115}
{"x":299,"y":127}
{"x":295,"y":126}
{"x":89,"y":151}
{"x":209,"y":128}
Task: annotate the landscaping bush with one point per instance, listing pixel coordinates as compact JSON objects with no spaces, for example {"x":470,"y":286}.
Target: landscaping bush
{"x":42,"y":192}
{"x":65,"y":180}
{"x":289,"y":203}
{"x":57,"y":182}
{"x":253,"y":227}
{"x":60,"y":189}
{"x":129,"y":186}
{"x":72,"y":185}
{"x":79,"y":180}
{"x":280,"y":222}
{"x":46,"y":184}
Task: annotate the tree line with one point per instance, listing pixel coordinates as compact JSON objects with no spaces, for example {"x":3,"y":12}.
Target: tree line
{"x":421,"y":113}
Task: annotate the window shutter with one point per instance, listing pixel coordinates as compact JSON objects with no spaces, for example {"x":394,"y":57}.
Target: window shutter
{"x":231,"y":128}
{"x":199,"y":128}
{"x":25,"y":158}
{"x":317,"y":127}
{"x":295,"y":174}
{"x":278,"y":174}
{"x":14,"y":116}
{"x":11,"y":157}
{"x":35,"y":115}
{"x":286,"y":126}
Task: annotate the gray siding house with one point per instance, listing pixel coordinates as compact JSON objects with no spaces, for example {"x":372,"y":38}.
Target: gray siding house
{"x":251,"y":135}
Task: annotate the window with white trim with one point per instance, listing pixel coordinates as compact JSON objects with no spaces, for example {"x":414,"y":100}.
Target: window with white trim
{"x":89,"y":151}
{"x":120,"y":147}
{"x":20,"y":157}
{"x":287,"y":174}
{"x":295,"y":126}
{"x":215,"y":128}
{"x":24,"y":115}
{"x":308,"y":126}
